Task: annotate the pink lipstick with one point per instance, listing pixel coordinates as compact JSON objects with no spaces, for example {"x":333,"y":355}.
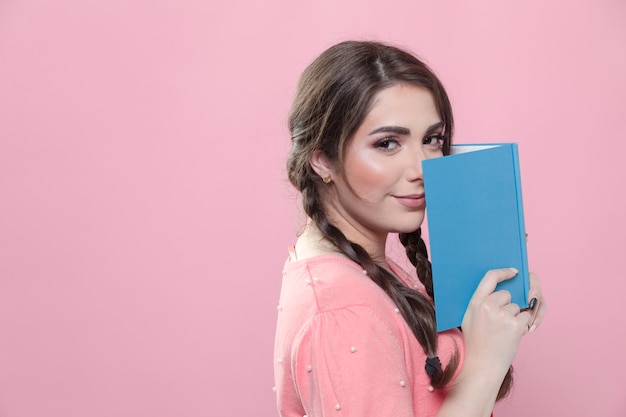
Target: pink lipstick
{"x":413,"y":201}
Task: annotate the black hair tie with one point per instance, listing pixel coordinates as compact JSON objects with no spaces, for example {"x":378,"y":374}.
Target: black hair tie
{"x":433,"y":365}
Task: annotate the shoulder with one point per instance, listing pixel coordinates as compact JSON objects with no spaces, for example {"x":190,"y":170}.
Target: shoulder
{"x":333,"y":282}
{"x":331,"y":297}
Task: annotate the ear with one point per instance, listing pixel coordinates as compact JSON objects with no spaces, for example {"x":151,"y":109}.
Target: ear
{"x":322,"y":165}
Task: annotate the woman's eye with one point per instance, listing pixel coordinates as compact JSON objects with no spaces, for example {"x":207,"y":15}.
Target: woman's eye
{"x":433,"y":141}
{"x":388,"y":143}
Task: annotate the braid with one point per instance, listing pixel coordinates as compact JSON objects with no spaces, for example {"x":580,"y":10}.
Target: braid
{"x":415,"y":308}
{"x":417,"y":253}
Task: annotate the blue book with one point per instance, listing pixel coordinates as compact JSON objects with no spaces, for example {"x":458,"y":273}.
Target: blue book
{"x":475,"y":223}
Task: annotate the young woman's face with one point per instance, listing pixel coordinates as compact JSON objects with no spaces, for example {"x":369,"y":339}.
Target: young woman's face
{"x":383,"y":162}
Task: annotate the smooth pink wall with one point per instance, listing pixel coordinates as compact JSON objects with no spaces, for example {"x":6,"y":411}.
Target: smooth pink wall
{"x":145,"y":215}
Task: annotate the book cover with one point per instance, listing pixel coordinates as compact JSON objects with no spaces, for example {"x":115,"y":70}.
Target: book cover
{"x":475,"y":223}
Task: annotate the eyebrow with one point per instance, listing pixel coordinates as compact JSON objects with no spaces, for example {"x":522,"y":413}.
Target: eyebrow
{"x":399,"y":130}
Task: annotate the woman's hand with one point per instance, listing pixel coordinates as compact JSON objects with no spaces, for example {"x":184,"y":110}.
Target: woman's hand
{"x":493,"y":326}
{"x":492,"y":330}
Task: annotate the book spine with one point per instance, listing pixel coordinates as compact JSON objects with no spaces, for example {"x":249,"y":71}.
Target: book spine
{"x":522,"y":226}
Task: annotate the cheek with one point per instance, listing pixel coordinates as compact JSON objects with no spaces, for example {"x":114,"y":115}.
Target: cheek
{"x":366,"y":173}
{"x":433,"y":154}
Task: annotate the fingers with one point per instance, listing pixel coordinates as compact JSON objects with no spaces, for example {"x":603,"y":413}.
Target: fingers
{"x":512,"y":309}
{"x":501,"y":298}
{"x":537,"y":315}
{"x":539,"y":310}
{"x":491,"y":279}
{"x":535,"y":287}
{"x":524,"y":318}
{"x":487,"y":299}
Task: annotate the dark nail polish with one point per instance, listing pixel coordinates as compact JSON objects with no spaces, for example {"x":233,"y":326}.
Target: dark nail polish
{"x":532,"y":304}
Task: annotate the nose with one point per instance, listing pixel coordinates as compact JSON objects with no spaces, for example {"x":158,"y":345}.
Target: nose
{"x":414,"y":165}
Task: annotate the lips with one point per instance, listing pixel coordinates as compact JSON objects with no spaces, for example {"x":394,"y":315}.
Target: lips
{"x":413,"y":201}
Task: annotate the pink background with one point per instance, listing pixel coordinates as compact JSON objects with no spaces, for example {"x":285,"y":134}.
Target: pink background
{"x":145,"y":214}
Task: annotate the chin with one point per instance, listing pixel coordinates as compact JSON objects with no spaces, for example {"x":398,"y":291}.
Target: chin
{"x":410,"y":227}
{"x":407,"y":229}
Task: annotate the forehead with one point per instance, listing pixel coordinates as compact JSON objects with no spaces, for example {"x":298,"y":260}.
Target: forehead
{"x":404,"y":105}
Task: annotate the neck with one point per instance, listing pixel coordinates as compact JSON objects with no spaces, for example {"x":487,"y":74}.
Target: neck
{"x":312,"y":241}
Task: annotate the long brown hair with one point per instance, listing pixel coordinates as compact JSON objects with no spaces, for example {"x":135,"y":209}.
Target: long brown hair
{"x":333,"y":97}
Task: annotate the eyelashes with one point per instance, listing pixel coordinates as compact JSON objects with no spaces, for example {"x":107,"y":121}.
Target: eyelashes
{"x":434,"y":140}
{"x":388,"y":143}
{"x":392,"y":142}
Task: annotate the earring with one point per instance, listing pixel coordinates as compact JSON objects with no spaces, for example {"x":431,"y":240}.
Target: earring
{"x":327,"y":179}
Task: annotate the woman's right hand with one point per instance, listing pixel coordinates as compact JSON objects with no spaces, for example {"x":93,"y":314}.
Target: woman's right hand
{"x":492,"y":330}
{"x":493,"y":326}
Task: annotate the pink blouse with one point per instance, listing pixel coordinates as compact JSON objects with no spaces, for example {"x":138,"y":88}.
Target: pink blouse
{"x":343,"y":349}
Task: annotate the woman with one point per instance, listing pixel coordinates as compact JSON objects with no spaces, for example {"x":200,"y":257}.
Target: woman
{"x":356,"y":334}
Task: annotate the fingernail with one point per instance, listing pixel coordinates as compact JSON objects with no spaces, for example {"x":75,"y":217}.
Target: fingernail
{"x":514,"y":270}
{"x":532,"y":304}
{"x":532,"y":328}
